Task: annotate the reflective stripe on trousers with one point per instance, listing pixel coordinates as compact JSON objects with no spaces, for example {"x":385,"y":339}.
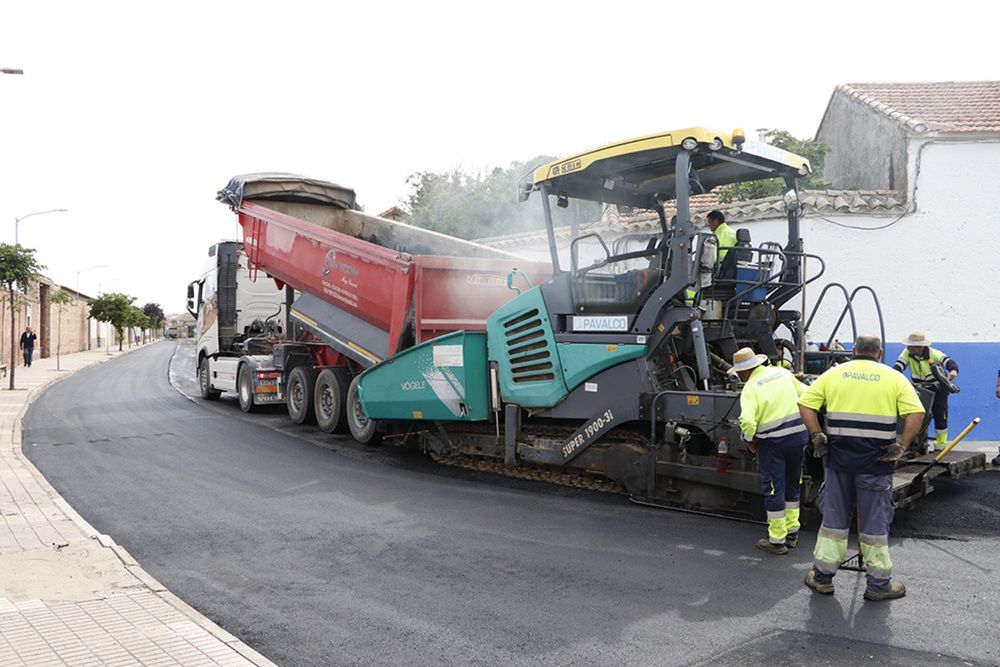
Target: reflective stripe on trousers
{"x":781,"y":482}
{"x":780,"y":524}
{"x":840,"y":494}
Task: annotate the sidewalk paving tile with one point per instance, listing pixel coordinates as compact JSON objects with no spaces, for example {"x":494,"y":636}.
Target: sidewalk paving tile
{"x":138,"y":627}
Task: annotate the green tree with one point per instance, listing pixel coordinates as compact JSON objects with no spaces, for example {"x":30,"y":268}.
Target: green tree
{"x":60,"y":299}
{"x":18,"y":267}
{"x":138,"y":322}
{"x":813,"y":151}
{"x":154,"y":312}
{"x":481,"y":204}
{"x":114,"y":308}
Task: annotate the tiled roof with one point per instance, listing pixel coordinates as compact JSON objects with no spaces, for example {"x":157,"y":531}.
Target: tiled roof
{"x":816,"y":202}
{"x":951,"y":106}
{"x":394,"y":213}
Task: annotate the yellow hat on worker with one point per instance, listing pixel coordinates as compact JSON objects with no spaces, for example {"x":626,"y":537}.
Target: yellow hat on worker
{"x":916,"y":339}
{"x":745,"y":359}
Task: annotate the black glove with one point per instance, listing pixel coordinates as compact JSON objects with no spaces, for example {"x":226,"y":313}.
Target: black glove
{"x":892,"y":451}
{"x":819,"y":443}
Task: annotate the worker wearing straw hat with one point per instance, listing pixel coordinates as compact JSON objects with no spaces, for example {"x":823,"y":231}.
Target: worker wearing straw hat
{"x":773,"y":429}
{"x":918,"y":356}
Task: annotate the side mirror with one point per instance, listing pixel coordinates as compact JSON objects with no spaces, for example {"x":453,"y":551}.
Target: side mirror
{"x":192,"y":302}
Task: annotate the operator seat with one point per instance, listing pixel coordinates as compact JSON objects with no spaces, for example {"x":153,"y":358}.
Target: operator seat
{"x":726,"y":270}
{"x":742,"y":250}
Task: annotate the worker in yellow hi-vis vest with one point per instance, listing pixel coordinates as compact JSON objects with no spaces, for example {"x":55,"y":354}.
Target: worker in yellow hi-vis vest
{"x":723,"y":232}
{"x":919,"y":357}
{"x":859,"y":450}
{"x":773,"y":429}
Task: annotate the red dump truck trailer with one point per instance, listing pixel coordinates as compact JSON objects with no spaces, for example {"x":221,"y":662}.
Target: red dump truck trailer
{"x":357,"y":289}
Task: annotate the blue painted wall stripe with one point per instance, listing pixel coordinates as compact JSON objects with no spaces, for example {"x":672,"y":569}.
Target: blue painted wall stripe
{"x":978,"y":364}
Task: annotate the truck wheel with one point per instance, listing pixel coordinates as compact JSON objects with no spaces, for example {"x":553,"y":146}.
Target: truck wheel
{"x":362,"y":428}
{"x":301,"y":381}
{"x":205,"y":383}
{"x":244,"y":386}
{"x":330,"y":400}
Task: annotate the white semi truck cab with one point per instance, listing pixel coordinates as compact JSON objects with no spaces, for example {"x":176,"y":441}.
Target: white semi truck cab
{"x":236,"y":311}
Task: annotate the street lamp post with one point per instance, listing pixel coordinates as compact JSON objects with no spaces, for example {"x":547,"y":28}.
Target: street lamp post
{"x":18,"y":220}
{"x":89,"y":268}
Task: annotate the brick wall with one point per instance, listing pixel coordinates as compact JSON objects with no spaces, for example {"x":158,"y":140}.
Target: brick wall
{"x":26,"y":311}
{"x":65,"y":327}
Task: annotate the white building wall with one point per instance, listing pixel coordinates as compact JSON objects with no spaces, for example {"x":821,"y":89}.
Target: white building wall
{"x":935,"y":269}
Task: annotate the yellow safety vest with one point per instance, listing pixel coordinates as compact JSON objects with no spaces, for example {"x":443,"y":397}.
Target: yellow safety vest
{"x":769,"y":404}
{"x":920,"y":369}
{"x":863,"y":400}
{"x":727,"y":237}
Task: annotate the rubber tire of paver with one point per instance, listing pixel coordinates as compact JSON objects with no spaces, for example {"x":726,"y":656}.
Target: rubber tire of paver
{"x":207,"y":393}
{"x":330,"y":399}
{"x":362,"y":428}
{"x":299,"y":396}
{"x":244,"y":387}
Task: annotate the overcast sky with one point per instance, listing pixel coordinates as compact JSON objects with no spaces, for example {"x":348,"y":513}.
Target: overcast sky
{"x":131,"y":115}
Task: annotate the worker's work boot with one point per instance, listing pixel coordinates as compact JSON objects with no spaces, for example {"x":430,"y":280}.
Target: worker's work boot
{"x":821,"y":587}
{"x":791,"y":540}
{"x":770,"y":547}
{"x":941,"y":440}
{"x":896,"y":590}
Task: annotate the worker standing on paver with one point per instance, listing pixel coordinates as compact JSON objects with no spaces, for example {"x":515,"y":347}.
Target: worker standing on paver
{"x":918,"y":356}
{"x":773,"y":429}
{"x":723,"y":232}
{"x":863,"y":399}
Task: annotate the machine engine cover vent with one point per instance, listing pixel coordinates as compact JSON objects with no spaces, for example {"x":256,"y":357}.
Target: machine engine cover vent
{"x":528,"y":348}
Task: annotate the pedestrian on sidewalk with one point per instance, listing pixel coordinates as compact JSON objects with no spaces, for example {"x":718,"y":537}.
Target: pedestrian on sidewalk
{"x":28,"y":345}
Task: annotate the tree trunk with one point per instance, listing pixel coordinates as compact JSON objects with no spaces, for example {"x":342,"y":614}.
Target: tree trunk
{"x":10,"y":370}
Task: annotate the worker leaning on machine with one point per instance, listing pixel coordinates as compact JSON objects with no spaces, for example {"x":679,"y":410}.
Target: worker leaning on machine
{"x":773,"y":429}
{"x":918,"y":356}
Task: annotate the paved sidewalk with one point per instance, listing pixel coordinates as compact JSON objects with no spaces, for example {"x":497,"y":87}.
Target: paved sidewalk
{"x":69,"y":596}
